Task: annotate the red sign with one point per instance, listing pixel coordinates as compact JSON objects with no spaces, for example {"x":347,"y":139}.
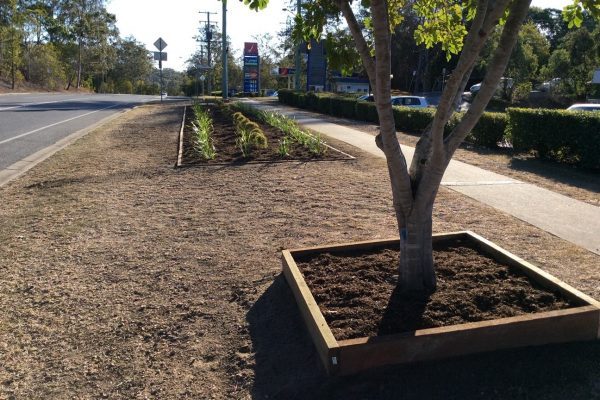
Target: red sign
{"x":250,"y":49}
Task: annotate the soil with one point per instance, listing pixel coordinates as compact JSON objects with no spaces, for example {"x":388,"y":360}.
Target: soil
{"x":122,"y":277}
{"x":224,"y":140}
{"x":357,"y":292}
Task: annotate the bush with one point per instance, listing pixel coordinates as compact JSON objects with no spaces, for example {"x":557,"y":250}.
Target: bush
{"x":564,"y":136}
{"x":367,"y":111}
{"x":343,"y":107}
{"x":325,"y":104}
{"x":594,"y":91}
{"x":489,"y":130}
{"x":412,"y":119}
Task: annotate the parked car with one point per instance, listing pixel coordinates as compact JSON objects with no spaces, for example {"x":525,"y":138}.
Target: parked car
{"x":405,"y":101}
{"x":410,"y":101}
{"x":584,"y":107}
{"x":164,"y":94}
{"x":274,"y":94}
{"x":549,"y":85}
{"x":505,"y":83}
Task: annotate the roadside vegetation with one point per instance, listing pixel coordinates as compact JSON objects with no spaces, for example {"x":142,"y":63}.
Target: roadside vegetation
{"x":250,"y":136}
{"x":293,"y":133}
{"x":203,"y":129}
{"x":549,"y":134}
{"x":73,"y":44}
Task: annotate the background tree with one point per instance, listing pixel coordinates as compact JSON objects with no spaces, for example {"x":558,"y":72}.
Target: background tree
{"x":574,"y":61}
{"x":133,"y":63}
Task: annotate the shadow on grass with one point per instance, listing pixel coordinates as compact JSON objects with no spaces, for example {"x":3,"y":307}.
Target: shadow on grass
{"x":287,"y":366}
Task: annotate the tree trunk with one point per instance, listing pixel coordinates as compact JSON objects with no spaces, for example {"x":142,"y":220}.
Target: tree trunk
{"x":414,"y":190}
{"x":417,"y":275}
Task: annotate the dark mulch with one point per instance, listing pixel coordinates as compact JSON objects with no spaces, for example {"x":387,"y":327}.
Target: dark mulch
{"x":358,"y":297}
{"x":224,"y":140}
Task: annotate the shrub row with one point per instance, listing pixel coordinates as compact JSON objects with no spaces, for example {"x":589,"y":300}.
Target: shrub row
{"x":563,"y":136}
{"x":488,"y":132}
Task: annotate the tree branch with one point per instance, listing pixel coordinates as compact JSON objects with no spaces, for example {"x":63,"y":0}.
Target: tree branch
{"x":429,"y":169}
{"x":397,"y":167}
{"x":508,"y":39}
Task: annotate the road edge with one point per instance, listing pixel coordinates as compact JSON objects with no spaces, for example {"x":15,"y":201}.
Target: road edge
{"x":19,"y":168}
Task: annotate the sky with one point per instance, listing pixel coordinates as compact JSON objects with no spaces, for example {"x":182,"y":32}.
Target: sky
{"x":178,"y":21}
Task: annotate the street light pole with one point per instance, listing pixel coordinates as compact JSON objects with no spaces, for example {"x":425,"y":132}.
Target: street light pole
{"x":297,"y":63}
{"x":224,"y":56}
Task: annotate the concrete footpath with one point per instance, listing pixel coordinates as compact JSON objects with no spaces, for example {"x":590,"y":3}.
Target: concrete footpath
{"x":567,"y":218}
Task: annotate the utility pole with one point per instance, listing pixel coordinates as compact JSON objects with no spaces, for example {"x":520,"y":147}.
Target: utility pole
{"x":208,"y":40}
{"x":224,"y":48}
{"x":297,"y":63}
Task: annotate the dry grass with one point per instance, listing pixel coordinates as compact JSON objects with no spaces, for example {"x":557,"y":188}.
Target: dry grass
{"x":121,"y":277}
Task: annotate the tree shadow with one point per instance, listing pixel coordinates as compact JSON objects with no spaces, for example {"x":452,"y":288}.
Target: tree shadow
{"x":288,"y":367}
{"x":402,"y":313}
{"x":572,"y":176}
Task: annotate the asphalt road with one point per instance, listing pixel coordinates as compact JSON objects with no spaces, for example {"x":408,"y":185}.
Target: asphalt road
{"x":32,"y":122}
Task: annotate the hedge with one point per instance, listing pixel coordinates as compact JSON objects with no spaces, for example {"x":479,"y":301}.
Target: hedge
{"x":564,"y":136}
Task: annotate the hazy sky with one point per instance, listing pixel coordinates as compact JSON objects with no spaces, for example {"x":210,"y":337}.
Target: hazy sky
{"x":177,"y":22}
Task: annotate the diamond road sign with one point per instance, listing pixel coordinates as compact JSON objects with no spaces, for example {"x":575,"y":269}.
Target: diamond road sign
{"x":160,"y":44}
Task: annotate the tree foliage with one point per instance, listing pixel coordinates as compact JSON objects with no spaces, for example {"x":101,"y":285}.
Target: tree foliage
{"x":67,"y":43}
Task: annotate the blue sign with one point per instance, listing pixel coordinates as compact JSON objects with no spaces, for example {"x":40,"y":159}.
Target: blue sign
{"x":252,"y":74}
{"x":316,"y":74}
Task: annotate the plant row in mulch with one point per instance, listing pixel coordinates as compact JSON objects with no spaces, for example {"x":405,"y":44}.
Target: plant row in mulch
{"x":227,"y":151}
{"x":358,"y":296}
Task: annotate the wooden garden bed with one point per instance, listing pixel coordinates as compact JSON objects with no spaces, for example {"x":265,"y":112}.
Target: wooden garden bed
{"x":560,"y":312}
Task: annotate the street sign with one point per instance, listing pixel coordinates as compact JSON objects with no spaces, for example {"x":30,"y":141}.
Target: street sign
{"x":250,"y":49}
{"x":160,"y":56}
{"x":160,"y":44}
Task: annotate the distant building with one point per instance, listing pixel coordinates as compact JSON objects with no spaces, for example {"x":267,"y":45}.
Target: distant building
{"x":350,"y":84}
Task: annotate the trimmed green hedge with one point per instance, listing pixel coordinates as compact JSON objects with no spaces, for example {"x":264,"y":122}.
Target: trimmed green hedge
{"x":412,"y":119}
{"x":366,"y":111}
{"x":564,"y":136}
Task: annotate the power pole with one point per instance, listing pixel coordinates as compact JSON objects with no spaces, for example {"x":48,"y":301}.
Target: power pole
{"x":208,"y":40}
{"x":297,"y":63}
{"x":224,"y":48}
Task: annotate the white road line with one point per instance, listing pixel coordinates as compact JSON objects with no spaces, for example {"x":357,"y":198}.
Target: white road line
{"x":57,"y":123}
{"x":45,"y":102}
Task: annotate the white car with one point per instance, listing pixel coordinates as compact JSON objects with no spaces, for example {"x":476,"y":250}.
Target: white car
{"x":584,"y":107}
{"x":410,"y":101}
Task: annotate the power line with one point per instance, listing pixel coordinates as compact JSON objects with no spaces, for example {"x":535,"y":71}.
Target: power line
{"x":208,"y":37}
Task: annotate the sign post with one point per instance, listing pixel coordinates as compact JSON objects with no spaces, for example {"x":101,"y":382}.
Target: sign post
{"x":160,"y":44}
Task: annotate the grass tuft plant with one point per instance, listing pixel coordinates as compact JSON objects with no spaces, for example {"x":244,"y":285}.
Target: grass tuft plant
{"x":203,"y":129}
{"x":292,"y":131}
{"x":250,"y":136}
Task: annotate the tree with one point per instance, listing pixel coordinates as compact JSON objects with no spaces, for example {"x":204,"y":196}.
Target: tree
{"x":415,"y":187}
{"x":530,"y":53}
{"x":133,"y":62}
{"x":574,"y":61}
